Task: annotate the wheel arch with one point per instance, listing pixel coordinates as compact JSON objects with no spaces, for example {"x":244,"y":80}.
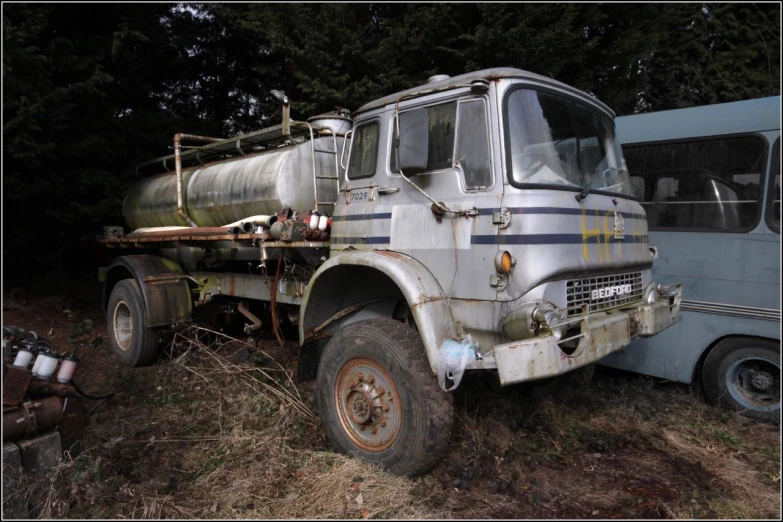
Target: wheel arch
{"x":165,"y":303}
{"x":380,"y":279}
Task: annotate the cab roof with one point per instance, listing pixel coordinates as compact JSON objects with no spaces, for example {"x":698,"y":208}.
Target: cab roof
{"x":465,"y":79}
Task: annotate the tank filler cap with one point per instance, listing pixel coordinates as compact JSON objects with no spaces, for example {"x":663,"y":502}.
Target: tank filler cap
{"x":438,"y":78}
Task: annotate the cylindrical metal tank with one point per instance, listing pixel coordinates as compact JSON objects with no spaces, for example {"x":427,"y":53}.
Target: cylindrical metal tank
{"x":224,"y":192}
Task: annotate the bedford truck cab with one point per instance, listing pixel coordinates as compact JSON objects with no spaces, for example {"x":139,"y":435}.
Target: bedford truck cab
{"x":511,"y":190}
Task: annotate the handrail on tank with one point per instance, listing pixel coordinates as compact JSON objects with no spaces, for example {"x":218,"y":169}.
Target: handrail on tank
{"x":178,"y":138}
{"x":312,"y":148}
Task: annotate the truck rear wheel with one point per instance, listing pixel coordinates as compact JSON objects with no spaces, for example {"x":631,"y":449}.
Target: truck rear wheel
{"x":133,"y":342}
{"x":744,"y":374}
{"x":380,"y":401}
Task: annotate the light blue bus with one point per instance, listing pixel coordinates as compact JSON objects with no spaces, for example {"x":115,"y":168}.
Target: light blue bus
{"x":709,"y":179}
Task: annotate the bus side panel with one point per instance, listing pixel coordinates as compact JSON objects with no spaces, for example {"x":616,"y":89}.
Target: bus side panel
{"x":674,"y":353}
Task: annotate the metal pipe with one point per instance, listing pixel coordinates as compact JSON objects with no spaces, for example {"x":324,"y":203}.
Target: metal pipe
{"x":247,"y":313}
{"x":32,"y":417}
{"x":273,"y":304}
{"x":40,"y":388}
{"x":248,"y":227}
{"x":146,"y":230}
{"x":185,"y":232}
{"x":181,"y":212}
{"x":261,"y":221}
{"x":286,"y":130}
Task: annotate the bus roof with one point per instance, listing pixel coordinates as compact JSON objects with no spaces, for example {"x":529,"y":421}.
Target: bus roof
{"x":757,"y":115}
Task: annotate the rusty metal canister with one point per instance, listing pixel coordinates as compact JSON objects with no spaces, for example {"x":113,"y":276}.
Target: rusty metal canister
{"x":32,"y":417}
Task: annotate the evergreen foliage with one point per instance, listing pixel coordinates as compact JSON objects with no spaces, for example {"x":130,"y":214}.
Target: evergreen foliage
{"x":92,"y":89}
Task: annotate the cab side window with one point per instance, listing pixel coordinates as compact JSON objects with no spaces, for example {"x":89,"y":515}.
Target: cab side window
{"x":441,"y":125}
{"x":472,"y":151}
{"x":456,"y":136}
{"x":364,"y":151}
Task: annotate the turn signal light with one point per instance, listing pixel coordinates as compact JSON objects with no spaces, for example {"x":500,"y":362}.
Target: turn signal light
{"x":504,"y":262}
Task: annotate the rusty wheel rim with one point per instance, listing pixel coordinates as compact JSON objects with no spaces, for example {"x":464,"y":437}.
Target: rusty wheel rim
{"x":123,"y":326}
{"x":368,"y":404}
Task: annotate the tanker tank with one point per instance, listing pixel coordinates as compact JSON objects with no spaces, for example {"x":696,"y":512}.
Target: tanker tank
{"x":260,"y":183}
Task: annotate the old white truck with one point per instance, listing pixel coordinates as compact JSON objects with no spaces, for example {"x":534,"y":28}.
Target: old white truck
{"x":483,"y":222}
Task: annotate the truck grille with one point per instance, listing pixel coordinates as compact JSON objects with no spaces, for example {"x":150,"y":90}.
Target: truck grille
{"x":580,"y":292}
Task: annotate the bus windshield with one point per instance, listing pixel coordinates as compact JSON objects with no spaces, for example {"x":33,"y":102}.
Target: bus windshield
{"x":556,"y":141}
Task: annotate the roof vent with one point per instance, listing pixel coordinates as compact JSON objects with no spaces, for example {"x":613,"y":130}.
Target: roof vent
{"x":437,"y":78}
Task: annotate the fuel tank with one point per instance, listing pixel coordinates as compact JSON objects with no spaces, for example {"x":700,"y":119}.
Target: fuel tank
{"x":223,"y":192}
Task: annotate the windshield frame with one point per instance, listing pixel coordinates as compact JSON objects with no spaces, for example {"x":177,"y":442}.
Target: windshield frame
{"x":571,"y":98}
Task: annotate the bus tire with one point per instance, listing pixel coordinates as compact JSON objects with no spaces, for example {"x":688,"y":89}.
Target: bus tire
{"x":743,"y":373}
{"x":380,"y":401}
{"x":134,"y":343}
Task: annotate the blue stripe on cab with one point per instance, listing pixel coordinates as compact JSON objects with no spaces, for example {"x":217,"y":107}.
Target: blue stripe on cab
{"x":544,"y":239}
{"x":514,"y":210}
{"x":362,"y":217}
{"x":345,"y":240}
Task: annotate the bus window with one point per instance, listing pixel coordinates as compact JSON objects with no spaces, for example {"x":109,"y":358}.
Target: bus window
{"x":773,"y":205}
{"x":707,"y":184}
{"x":637,"y":186}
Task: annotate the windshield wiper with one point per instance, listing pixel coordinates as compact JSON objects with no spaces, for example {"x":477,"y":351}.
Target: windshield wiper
{"x":582,"y":195}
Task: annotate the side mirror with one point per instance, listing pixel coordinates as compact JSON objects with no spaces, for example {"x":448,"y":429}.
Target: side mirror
{"x":413,"y":141}
{"x":279,"y":96}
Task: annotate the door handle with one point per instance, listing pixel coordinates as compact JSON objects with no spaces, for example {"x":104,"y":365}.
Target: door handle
{"x":387,"y":190}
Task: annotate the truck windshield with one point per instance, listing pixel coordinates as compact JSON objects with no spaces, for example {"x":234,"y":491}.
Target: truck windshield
{"x":554,"y":140}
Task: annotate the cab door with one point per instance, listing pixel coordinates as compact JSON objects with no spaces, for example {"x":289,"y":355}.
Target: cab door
{"x":454,"y":166}
{"x":356,"y":201}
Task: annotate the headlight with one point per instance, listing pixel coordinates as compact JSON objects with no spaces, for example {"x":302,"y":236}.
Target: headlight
{"x":651,"y":294}
{"x":552,"y":319}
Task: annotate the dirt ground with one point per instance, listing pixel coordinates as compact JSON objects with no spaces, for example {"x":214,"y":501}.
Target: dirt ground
{"x":222,"y":432}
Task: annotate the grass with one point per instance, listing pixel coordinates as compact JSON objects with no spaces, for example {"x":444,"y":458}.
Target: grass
{"x":199,"y":436}
{"x":218,"y":429}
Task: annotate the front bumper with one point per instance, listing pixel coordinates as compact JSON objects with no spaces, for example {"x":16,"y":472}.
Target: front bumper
{"x":601,"y":334}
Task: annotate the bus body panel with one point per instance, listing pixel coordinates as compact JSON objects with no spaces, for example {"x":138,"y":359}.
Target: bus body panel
{"x":732,"y":278}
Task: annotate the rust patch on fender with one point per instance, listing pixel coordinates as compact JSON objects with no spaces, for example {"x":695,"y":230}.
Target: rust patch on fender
{"x":428,"y":299}
{"x":391,"y":254}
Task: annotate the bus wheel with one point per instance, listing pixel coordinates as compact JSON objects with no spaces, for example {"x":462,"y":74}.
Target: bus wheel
{"x":134,"y":343}
{"x":744,"y":374}
{"x":380,"y":401}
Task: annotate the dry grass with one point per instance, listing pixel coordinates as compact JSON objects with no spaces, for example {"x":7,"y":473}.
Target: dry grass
{"x":219,"y":430}
{"x":201,"y":436}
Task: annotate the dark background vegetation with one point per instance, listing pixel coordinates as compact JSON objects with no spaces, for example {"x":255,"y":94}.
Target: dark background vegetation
{"x":90,"y":90}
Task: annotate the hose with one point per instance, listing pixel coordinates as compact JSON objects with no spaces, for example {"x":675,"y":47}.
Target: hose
{"x":89,"y":396}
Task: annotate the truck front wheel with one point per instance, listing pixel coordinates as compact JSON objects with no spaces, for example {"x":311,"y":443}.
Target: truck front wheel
{"x":133,"y":342}
{"x":380,"y":401}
